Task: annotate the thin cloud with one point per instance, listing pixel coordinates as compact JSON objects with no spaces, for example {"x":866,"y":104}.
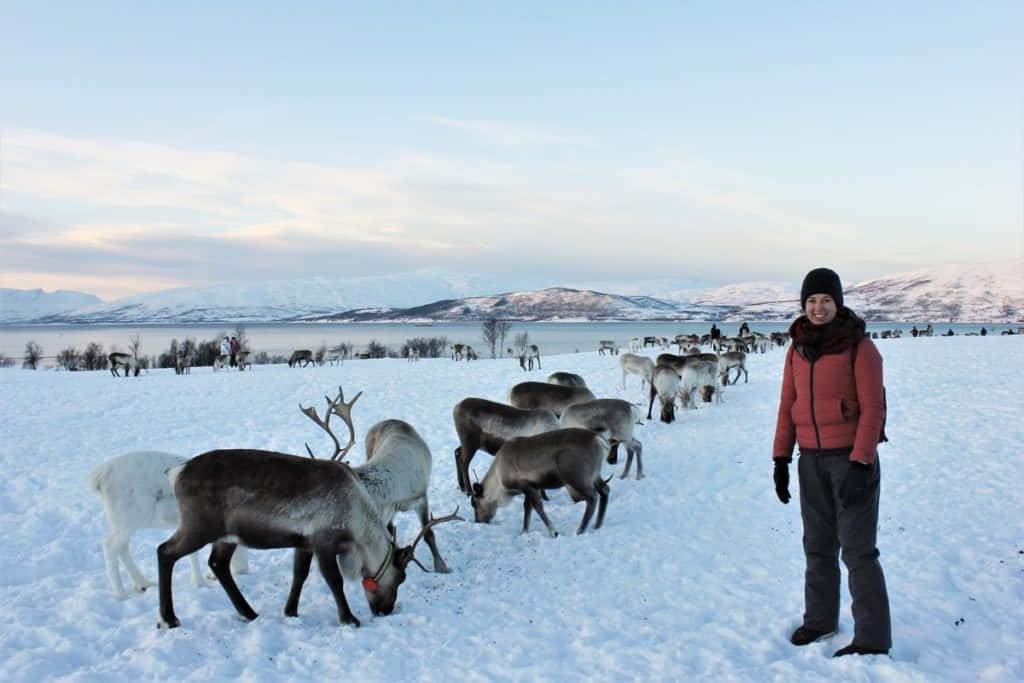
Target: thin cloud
{"x":502,"y":133}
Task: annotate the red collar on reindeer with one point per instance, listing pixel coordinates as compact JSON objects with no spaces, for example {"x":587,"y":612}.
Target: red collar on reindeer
{"x":370,"y":582}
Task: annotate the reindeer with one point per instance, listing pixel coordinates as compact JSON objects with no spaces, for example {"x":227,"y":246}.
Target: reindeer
{"x":483,"y":424}
{"x":701,"y":376}
{"x":413,"y":354}
{"x":729,"y":360}
{"x":665,"y":385}
{"x":614,"y":417}
{"x":457,"y":351}
{"x":304,"y":356}
{"x":182,"y":364}
{"x":530,"y":464}
{"x":126,"y":360}
{"x":553,"y":397}
{"x":242,"y":360}
{"x":607,"y":345}
{"x":137,"y":495}
{"x":566,"y":379}
{"x":265,"y":499}
{"x":635,"y":364}
{"x":528,"y":355}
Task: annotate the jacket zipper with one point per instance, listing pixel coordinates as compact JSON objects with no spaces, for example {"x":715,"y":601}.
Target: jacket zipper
{"x":814,"y":419}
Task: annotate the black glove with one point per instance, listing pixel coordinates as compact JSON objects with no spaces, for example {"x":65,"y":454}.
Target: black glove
{"x":781,"y":477}
{"x":855,"y":484}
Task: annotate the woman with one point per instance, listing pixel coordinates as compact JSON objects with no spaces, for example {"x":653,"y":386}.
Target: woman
{"x":833,"y":407}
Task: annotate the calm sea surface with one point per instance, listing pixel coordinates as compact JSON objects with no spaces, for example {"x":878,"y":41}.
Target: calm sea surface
{"x":281,"y":339}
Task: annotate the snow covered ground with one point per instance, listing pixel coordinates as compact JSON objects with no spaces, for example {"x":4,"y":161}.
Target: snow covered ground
{"x":696,"y":574}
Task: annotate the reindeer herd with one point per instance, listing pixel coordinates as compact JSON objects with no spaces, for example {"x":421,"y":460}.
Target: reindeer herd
{"x":547,"y":435}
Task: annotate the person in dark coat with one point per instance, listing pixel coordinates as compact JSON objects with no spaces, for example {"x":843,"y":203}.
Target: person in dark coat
{"x":833,"y":408}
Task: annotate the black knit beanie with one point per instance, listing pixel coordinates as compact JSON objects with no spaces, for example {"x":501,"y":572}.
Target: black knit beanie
{"x":821,"y":281}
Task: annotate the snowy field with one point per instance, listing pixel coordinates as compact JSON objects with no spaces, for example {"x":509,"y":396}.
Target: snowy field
{"x":696,"y":574}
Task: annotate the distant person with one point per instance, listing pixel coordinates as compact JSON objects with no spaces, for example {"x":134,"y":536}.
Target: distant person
{"x":983,"y":332}
{"x":225,"y":351}
{"x":949,"y":332}
{"x":744,"y":329}
{"x":716,"y":333}
{"x":913,"y":331}
{"x":234,"y":345}
{"x":833,"y":408}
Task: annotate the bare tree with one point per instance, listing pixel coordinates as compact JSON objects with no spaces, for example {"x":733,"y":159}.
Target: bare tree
{"x":521,"y":341}
{"x":135,"y":345}
{"x":69,"y":359}
{"x":93,"y":357}
{"x":33,"y":354}
{"x":243,"y":341}
{"x":494,"y":332}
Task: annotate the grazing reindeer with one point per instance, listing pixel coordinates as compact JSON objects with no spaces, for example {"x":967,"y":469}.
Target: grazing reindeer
{"x":665,"y":385}
{"x":458,"y":351}
{"x":607,"y":345}
{"x":413,"y":354}
{"x":263,"y":499}
{"x":729,"y":360}
{"x":635,"y":364}
{"x":137,"y":495}
{"x":396,"y":475}
{"x":530,"y":464}
{"x":566,"y":379}
{"x":614,"y":417}
{"x":701,"y":376}
{"x":483,"y":424}
{"x":528,"y":355}
{"x":635,"y":345}
{"x":242,"y":360}
{"x":182,"y":364}
{"x":553,"y":397}
{"x":304,"y":356}
{"x":126,"y":360}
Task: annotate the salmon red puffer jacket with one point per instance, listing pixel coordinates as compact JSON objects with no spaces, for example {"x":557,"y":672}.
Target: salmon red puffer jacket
{"x":835,"y":402}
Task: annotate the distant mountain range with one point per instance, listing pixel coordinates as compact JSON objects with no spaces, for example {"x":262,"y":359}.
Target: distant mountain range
{"x":992,"y":292}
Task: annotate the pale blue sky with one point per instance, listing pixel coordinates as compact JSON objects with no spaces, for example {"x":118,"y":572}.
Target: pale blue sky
{"x":145,"y":146}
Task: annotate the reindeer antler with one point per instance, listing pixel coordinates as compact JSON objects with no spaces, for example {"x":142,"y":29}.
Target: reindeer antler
{"x":336,"y":406}
{"x":408,"y":552}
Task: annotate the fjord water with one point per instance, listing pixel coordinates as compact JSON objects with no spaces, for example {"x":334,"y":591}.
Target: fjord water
{"x":281,"y":339}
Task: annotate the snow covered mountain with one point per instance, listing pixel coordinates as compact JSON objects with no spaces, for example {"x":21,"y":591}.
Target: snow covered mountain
{"x":992,"y":292}
{"x":18,"y":305}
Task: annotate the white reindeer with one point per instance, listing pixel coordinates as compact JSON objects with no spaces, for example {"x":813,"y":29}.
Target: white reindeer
{"x":665,"y":385}
{"x":702,"y":377}
{"x":636,"y":364}
{"x":729,"y":360}
{"x":614,"y":417}
{"x":528,"y":355}
{"x":137,"y":495}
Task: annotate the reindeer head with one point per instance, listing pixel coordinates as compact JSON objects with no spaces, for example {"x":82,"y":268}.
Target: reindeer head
{"x":381,"y":587}
{"x":483,"y":509}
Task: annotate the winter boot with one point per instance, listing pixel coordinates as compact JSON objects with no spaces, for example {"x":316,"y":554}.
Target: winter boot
{"x":852,"y":649}
{"x":806,"y":636}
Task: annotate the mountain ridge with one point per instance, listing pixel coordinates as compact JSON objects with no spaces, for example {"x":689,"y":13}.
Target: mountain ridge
{"x":992,"y":292}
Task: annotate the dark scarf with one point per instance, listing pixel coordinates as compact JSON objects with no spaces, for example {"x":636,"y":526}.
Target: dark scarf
{"x":814,"y":341}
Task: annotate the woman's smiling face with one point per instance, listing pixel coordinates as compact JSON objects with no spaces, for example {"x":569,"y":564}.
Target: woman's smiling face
{"x":820,"y":309}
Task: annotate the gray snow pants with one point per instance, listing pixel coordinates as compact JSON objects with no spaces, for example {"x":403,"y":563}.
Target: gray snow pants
{"x":829,"y":527}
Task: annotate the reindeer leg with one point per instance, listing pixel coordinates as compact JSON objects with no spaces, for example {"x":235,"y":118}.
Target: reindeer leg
{"x":613,"y":454}
{"x":587,"y":513}
{"x":220,"y":564}
{"x":328,"y":563}
{"x":603,"y":492}
{"x":167,"y":553}
{"x":527,"y":511}
{"x":112,"y":549}
{"x":300,"y":570}
{"x":533,"y":498}
{"x":638,"y":448}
